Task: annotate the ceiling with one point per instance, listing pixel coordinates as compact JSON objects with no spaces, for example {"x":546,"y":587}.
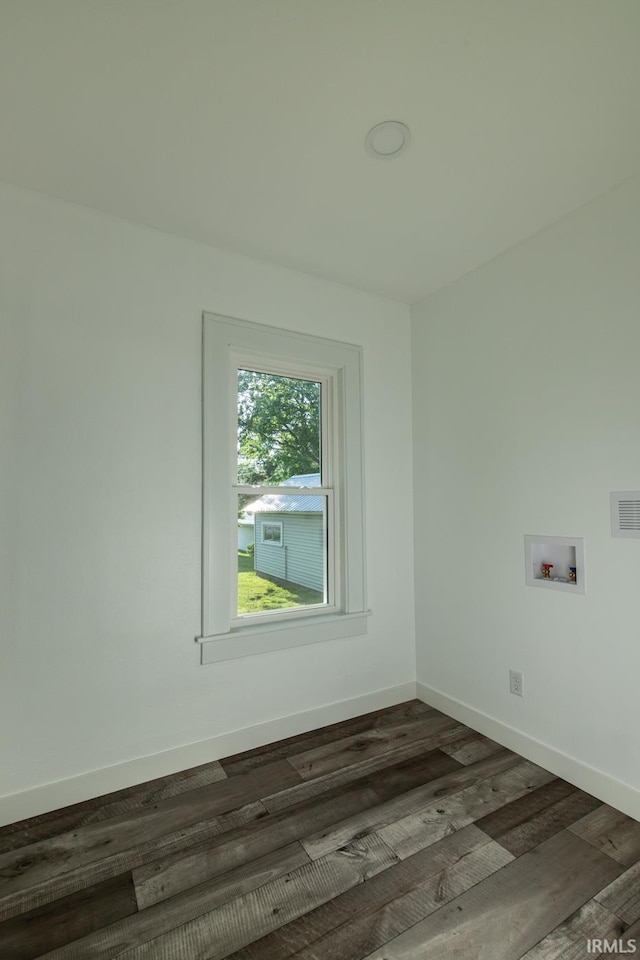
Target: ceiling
{"x":241,"y":123}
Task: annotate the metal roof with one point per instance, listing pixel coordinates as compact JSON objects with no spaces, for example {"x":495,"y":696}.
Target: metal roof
{"x":281,"y":503}
{"x":302,"y":480}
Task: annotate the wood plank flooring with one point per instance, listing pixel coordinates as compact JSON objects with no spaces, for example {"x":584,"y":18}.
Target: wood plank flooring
{"x":399,"y":835}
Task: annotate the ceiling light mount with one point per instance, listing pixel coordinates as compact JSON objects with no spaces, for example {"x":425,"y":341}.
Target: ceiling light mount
{"x":388,"y":139}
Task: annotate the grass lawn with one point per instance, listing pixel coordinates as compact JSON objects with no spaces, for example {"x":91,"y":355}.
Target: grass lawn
{"x":257,"y":593}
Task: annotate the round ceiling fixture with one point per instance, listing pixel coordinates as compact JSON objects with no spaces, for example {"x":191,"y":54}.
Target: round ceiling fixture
{"x":388,"y":139}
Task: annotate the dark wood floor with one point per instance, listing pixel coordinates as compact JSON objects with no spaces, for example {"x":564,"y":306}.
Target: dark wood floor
{"x":401,"y":834}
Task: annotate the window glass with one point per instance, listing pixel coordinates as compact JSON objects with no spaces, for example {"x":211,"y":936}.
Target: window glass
{"x":279,"y":429}
{"x":282,"y":553}
{"x":272,"y":533}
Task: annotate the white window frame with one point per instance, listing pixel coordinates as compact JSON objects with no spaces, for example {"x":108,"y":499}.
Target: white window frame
{"x":328,"y":458}
{"x":227,"y":345}
{"x":269,"y":541}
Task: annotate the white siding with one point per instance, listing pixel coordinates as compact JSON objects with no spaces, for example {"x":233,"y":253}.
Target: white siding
{"x":300,"y":558}
{"x":245,"y":535}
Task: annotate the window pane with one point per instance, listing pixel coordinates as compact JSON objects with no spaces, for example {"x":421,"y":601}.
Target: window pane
{"x":278,"y":430}
{"x":282,"y":555}
{"x":271,"y":533}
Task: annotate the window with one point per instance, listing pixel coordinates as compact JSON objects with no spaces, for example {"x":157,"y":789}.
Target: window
{"x":272,"y":533}
{"x":283,"y":441}
{"x":282,"y":457}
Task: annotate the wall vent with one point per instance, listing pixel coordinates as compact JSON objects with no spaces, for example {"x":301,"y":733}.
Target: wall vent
{"x":625,"y":513}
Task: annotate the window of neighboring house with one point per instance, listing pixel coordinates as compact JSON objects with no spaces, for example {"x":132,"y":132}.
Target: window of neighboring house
{"x":272,"y":533}
{"x":282,"y":449}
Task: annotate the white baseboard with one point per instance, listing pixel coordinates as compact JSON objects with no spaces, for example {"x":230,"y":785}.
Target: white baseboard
{"x":95,"y":783}
{"x":620,"y":795}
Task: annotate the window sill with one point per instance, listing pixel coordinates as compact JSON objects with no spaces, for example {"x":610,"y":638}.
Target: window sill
{"x":250,"y":641}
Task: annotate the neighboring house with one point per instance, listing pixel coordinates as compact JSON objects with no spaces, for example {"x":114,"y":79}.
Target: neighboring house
{"x":245,"y":532}
{"x":289,"y":535}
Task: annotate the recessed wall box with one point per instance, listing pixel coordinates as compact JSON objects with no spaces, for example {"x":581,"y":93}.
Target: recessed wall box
{"x":553,"y":562}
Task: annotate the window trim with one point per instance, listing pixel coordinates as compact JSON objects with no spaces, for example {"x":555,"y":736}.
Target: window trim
{"x":226,"y":339}
{"x":271,"y":542}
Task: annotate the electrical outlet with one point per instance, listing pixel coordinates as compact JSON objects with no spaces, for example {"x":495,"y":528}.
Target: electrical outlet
{"x":516,"y":683}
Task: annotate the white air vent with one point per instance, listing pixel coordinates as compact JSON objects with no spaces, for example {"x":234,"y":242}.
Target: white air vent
{"x":625,"y":513}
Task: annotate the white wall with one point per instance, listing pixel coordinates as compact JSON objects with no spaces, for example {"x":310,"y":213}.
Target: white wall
{"x":100,"y":329}
{"x":527,"y":414}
